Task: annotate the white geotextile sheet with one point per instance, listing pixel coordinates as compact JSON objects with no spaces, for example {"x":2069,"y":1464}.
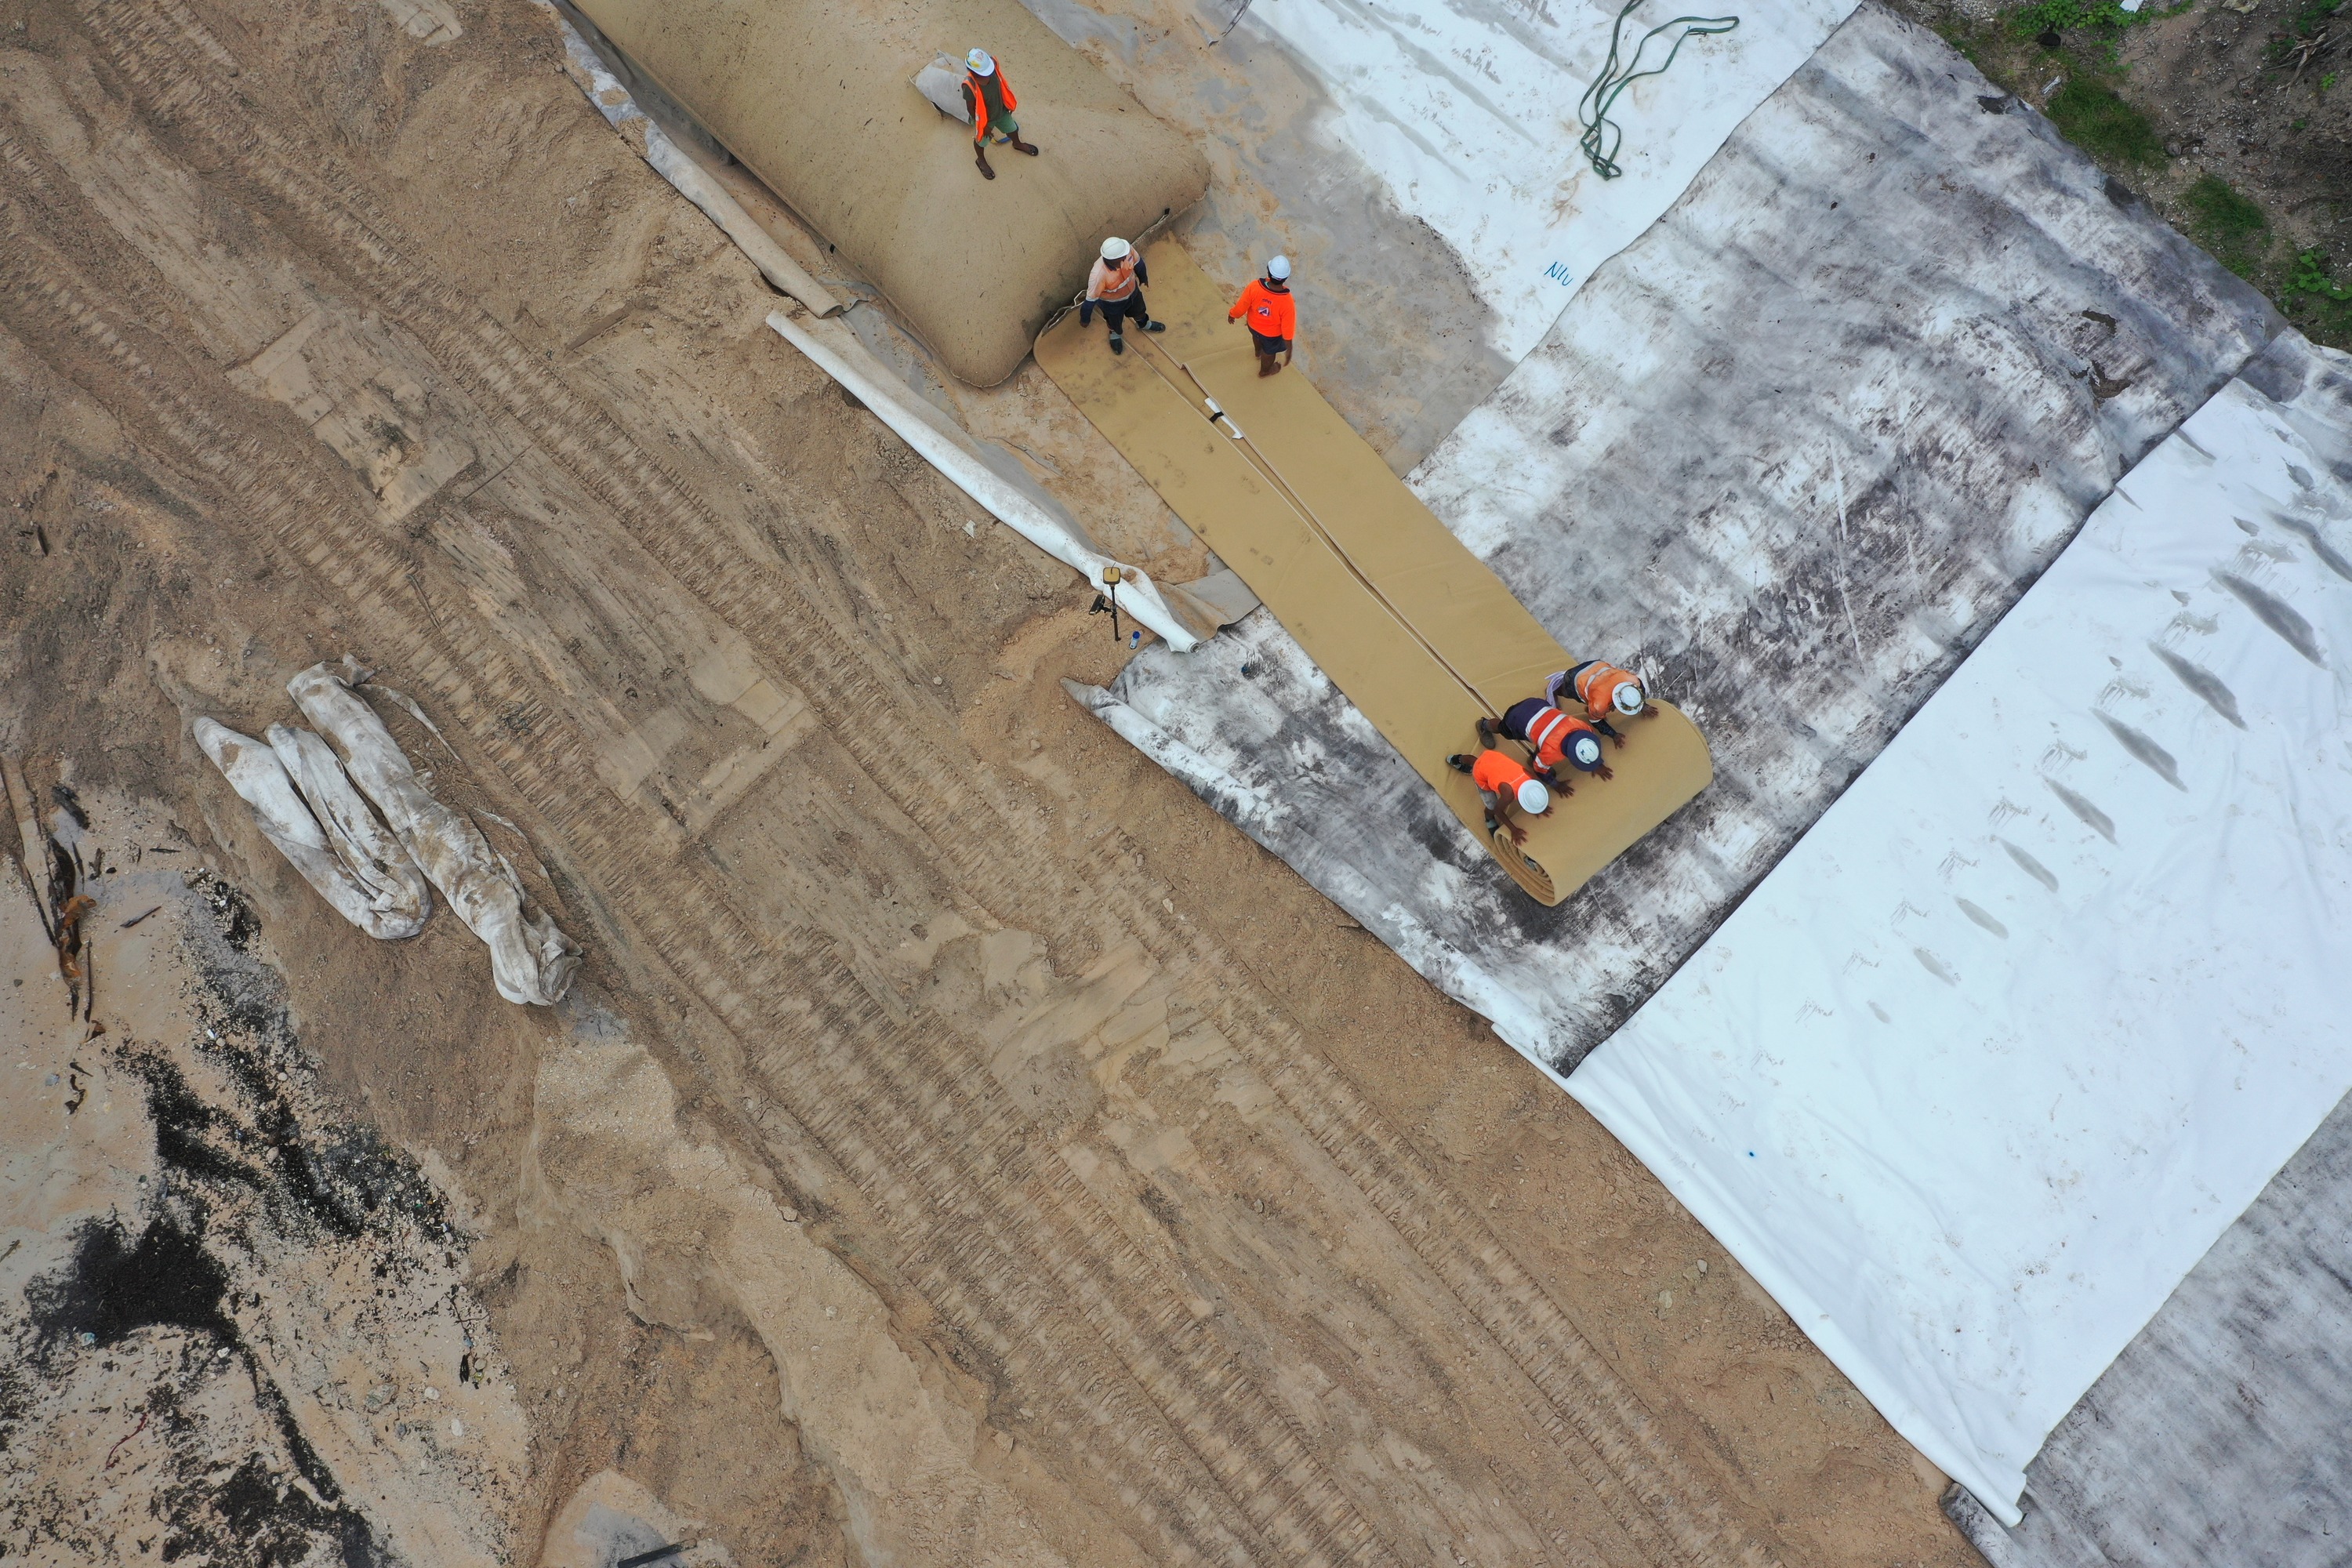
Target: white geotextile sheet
{"x":1978,"y":1073}
{"x":1466,"y":111}
{"x":1801,"y":530}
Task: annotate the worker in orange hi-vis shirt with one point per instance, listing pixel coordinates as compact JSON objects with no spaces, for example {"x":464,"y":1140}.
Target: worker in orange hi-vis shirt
{"x":1605,"y":690}
{"x":1271,"y":313}
{"x":1504,"y":785}
{"x":989,"y":98}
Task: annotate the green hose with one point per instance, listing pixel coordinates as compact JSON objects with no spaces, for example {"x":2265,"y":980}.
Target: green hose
{"x":1603,"y":136}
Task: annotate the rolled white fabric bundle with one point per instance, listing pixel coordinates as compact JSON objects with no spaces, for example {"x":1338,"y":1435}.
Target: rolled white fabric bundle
{"x":254,"y":770}
{"x":367,"y":850}
{"x":531,"y":959}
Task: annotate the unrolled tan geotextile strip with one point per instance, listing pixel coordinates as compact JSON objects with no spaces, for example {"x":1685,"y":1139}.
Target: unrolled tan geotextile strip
{"x":1159,"y":360}
{"x":1422,"y":637}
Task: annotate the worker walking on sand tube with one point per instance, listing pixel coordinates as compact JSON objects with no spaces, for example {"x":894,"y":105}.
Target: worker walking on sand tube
{"x":1505,"y":787}
{"x":1271,"y":315}
{"x":1115,"y":285}
{"x":990,"y":98}
{"x":1606,"y":691}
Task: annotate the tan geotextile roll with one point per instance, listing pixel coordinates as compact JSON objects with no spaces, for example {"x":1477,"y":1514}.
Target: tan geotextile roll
{"x":1420,"y":633}
{"x":818,"y":100}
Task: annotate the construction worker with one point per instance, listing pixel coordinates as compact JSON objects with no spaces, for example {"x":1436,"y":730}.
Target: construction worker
{"x":1606,"y":691}
{"x":1504,"y":785}
{"x":1553,"y":736}
{"x":990,"y":98}
{"x":1116,"y":284}
{"x":1271,"y":314}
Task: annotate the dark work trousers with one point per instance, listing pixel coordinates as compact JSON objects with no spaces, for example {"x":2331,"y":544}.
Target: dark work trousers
{"x":1116,"y":313}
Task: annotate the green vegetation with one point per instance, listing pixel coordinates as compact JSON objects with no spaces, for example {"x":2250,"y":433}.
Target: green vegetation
{"x":2310,"y":277}
{"x":2094,"y":118}
{"x":2227,"y":223}
{"x":2316,"y":302}
{"x":2074,"y":16}
{"x":2307,"y":21}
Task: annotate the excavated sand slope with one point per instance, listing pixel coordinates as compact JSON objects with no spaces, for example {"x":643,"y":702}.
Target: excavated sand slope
{"x":818,"y":100}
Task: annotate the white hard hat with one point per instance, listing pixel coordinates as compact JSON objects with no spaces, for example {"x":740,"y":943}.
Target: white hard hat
{"x":1116,"y":248}
{"x":1278,"y":268}
{"x":1627,"y":699}
{"x":1584,"y":751}
{"x":981,"y":62}
{"x":1534,"y":799}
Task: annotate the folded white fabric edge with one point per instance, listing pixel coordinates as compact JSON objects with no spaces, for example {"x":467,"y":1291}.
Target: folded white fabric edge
{"x":1629,"y":1117}
{"x":1972,"y":1259}
{"x":367,"y":848}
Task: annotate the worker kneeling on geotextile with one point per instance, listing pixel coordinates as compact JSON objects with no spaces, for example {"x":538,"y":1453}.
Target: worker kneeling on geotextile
{"x":1115,"y":285}
{"x":1504,"y":785}
{"x":990,"y":98}
{"x":1271,"y":314}
{"x":1606,"y":691}
{"x":1554,"y":737}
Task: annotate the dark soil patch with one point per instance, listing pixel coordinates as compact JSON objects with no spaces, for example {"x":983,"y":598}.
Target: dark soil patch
{"x":116,"y":1286}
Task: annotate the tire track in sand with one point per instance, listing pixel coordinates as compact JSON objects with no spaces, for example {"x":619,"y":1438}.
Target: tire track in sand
{"x":1003,"y":1247}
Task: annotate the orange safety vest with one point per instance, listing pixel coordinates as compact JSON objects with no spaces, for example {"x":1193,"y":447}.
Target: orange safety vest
{"x":1597,"y":684}
{"x":972,"y":81}
{"x":1498,"y":774}
{"x":1551,"y":733}
{"x":1269,"y":314}
{"x":1118,"y":281}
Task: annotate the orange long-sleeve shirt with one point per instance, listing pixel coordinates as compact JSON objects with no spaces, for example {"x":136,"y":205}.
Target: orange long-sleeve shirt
{"x":1269,"y":314}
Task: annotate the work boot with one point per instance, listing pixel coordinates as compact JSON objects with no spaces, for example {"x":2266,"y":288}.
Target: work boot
{"x":1117,"y":343}
{"x":1155,"y":326}
{"x":1021,"y":146}
{"x":980,"y":156}
{"x":1268,"y":365}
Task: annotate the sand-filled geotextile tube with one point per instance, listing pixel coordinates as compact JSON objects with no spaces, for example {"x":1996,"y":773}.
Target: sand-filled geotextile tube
{"x":1417,"y":632}
{"x":819,"y":101}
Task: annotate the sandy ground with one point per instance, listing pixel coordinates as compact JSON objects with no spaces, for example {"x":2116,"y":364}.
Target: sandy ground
{"x":960,"y":1147}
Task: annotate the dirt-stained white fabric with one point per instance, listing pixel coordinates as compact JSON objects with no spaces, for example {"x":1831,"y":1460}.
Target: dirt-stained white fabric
{"x":531,"y":961}
{"x":377,"y":899}
{"x":361,"y":841}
